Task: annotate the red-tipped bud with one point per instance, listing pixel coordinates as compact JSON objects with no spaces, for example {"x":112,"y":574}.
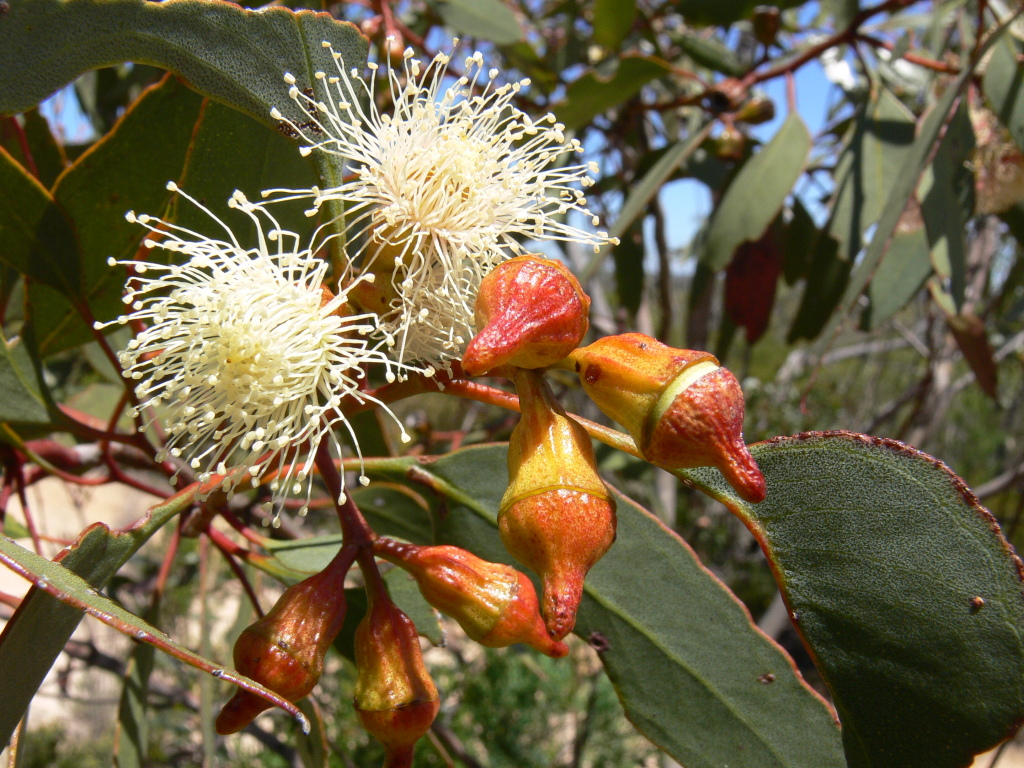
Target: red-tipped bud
{"x":284,"y":651}
{"x":681,"y":407}
{"x":531,"y":313}
{"x":395,"y":697}
{"x":494,"y":603}
{"x":556,"y":516}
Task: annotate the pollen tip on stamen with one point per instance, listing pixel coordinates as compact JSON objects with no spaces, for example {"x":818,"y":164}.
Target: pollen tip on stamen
{"x":289,"y":78}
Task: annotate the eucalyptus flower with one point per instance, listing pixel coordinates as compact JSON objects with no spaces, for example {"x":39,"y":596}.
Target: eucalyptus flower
{"x":244,"y":355}
{"x":440,"y":189}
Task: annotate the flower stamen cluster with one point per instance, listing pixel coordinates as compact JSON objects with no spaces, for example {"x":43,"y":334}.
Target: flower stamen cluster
{"x":441,"y":190}
{"x":243,"y":353}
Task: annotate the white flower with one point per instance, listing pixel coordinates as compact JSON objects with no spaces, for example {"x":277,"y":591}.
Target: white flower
{"x":441,"y":190}
{"x":242,"y":352}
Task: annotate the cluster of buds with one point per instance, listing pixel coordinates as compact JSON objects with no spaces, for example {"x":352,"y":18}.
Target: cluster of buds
{"x":681,"y":408}
{"x":557,"y":517}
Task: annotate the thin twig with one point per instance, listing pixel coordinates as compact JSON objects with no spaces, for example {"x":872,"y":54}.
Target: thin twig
{"x":240,"y":575}
{"x":453,"y":745}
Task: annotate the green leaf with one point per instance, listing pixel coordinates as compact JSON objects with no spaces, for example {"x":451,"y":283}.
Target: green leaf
{"x":842,"y":11}
{"x":1004,"y":88}
{"x":712,"y":53}
{"x":38,"y":239}
{"x":488,"y":19}
{"x":898,"y":278}
{"x":798,"y":243}
{"x":313,"y":749}
{"x":882,"y":555}
{"x":946,"y":193}
{"x":688,"y":664}
{"x":642,"y":194}
{"x":235,"y":56}
{"x":228,"y":151}
{"x":757,"y":194}
{"x":45,"y":159}
{"x":128,"y":168}
{"x":391,"y":510}
{"x":906,"y":181}
{"x":406,"y":594}
{"x":869,"y":166}
{"x":593,"y":93}
{"x":75,"y":592}
{"x":22,"y":402}
{"x":37,"y":633}
{"x":629,"y":268}
{"x":169,"y":133}
{"x":613,"y":19}
{"x":826,"y":279}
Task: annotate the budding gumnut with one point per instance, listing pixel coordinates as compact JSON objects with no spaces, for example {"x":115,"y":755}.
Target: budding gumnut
{"x":284,"y":651}
{"x":680,"y":406}
{"x":531,"y":313}
{"x":395,"y":697}
{"x":556,"y":516}
{"x":494,"y":603}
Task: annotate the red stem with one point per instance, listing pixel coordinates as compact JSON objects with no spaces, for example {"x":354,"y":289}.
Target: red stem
{"x":239,"y":573}
{"x":355,"y":531}
{"x":165,"y":566}
{"x":26,"y":151}
{"x":250,"y":535}
{"x":19,"y":485}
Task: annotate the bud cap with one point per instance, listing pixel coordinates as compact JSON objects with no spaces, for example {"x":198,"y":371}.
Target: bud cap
{"x":531,"y":313}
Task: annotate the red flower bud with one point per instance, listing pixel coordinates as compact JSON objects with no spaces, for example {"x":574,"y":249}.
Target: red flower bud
{"x":680,"y":406}
{"x":395,"y":697}
{"x":556,"y":516}
{"x":495,"y":604}
{"x":284,"y":651}
{"x":531,"y":313}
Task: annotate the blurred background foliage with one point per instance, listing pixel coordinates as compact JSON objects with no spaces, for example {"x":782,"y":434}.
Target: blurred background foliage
{"x":827,"y":195}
